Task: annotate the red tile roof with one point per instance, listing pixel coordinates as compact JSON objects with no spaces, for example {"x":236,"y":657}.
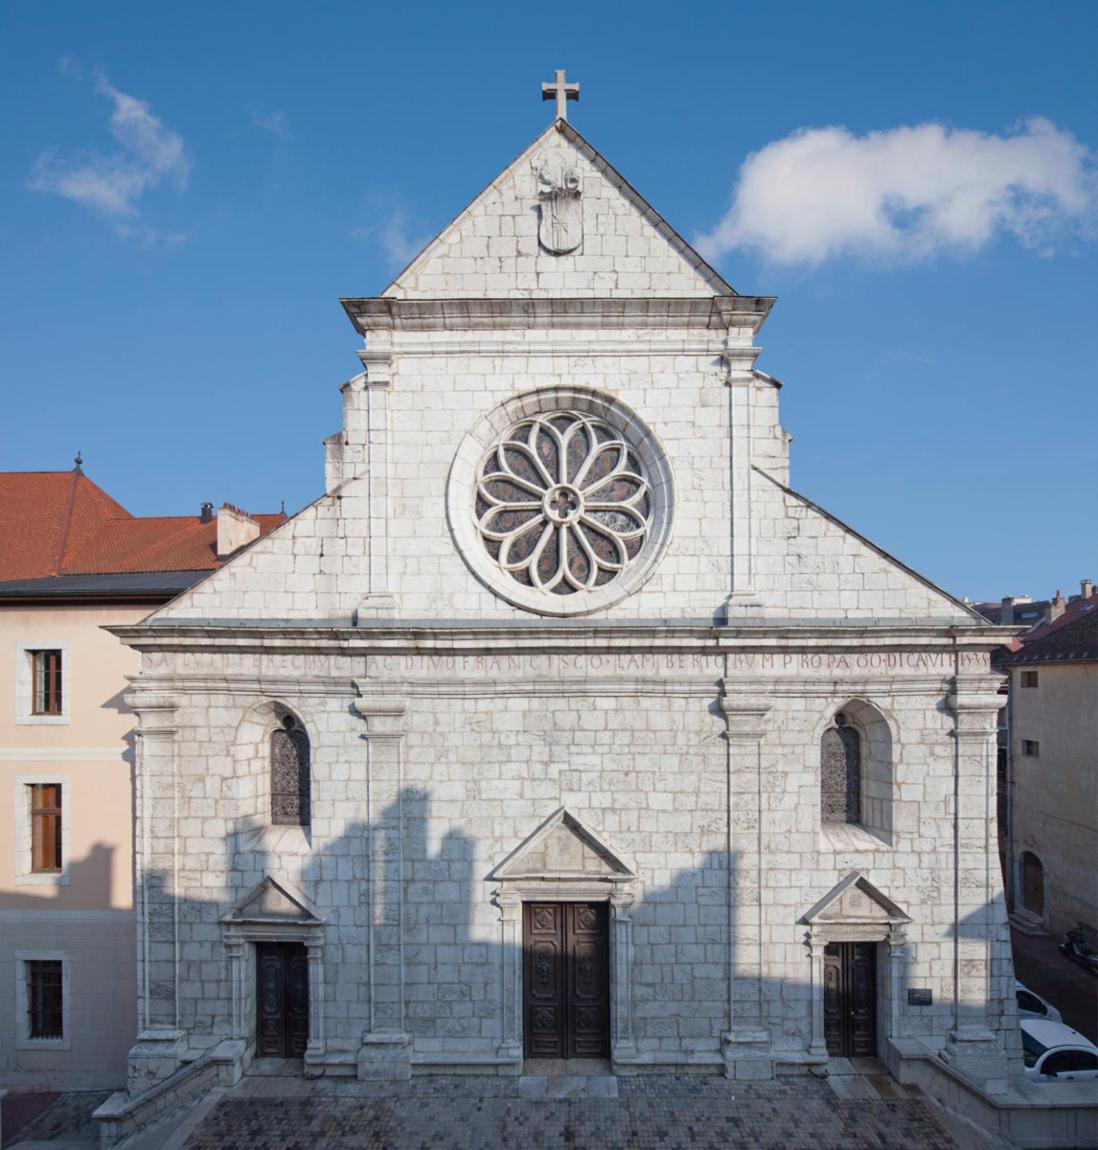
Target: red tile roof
{"x":61,"y":523}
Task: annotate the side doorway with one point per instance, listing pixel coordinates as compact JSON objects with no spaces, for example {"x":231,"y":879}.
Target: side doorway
{"x":566,"y":979}
{"x":850,"y":999}
{"x":282,"y":999}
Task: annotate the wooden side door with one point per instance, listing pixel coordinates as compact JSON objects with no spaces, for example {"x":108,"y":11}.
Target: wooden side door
{"x":543,"y":980}
{"x":588,"y":988}
{"x":566,"y":980}
{"x":282,"y":999}
{"x":850,"y":999}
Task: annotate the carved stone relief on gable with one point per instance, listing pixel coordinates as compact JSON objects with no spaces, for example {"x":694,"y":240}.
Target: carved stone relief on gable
{"x":560,"y":224}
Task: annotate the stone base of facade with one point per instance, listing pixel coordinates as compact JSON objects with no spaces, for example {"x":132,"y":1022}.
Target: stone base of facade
{"x":977,"y":1056}
{"x":385,"y":1055}
{"x":155,"y":1057}
{"x":747,"y":1054}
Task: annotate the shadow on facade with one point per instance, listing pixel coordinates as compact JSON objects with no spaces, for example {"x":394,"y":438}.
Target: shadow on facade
{"x":88,"y":881}
{"x":408,"y":934}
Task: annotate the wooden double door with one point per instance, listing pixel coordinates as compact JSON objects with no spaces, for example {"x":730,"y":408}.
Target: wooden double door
{"x":850,"y":999}
{"x":282,"y":999}
{"x":566,"y":979}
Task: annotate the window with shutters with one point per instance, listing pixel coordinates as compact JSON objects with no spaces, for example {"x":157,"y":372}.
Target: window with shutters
{"x":290,"y":788}
{"x":42,"y":682}
{"x":45,"y":799}
{"x":42,"y":821}
{"x":47,"y":682}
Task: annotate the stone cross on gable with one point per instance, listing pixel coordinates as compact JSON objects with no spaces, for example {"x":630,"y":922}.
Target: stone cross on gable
{"x":561,"y":92}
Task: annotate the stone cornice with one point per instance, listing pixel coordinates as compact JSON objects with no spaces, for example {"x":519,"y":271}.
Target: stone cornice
{"x":541,"y":637}
{"x":716,"y":313}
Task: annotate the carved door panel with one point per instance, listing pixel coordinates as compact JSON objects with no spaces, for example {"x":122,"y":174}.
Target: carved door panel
{"x":850,"y":999}
{"x":566,"y":980}
{"x":282,"y":999}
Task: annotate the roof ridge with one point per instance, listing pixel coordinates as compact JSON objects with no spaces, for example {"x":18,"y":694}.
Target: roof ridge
{"x":66,"y":522}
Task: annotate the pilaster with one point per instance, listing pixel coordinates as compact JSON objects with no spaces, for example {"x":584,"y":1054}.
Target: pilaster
{"x":380,"y":600}
{"x":623,"y":1046}
{"x":160,"y":1042}
{"x":972,"y":1046}
{"x":386,"y":1047}
{"x":739,"y":357}
{"x":509,"y":903}
{"x":746,"y":1045}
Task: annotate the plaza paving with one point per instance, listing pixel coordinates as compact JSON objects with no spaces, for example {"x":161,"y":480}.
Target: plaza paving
{"x":855,"y":1112}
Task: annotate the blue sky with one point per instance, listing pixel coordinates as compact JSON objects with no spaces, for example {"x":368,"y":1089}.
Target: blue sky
{"x":186,"y":194}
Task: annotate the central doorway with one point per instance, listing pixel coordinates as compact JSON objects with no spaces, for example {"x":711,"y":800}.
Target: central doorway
{"x":282,"y":999}
{"x":566,"y":979}
{"x":850,"y":999}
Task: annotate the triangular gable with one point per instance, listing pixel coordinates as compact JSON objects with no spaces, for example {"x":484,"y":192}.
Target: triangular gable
{"x":563,"y":848}
{"x":855,"y":901}
{"x":274,"y":901}
{"x":929,"y":595}
{"x":491,"y":248}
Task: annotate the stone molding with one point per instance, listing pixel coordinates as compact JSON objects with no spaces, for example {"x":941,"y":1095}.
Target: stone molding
{"x":717,"y":313}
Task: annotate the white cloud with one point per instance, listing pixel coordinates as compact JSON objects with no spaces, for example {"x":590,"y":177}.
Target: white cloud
{"x":112,"y":184}
{"x":276,"y":123}
{"x":393,"y":236}
{"x":907,"y":193}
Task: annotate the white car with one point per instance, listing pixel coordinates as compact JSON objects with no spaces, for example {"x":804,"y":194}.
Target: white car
{"x":1032,"y":1005}
{"x":1055,"y":1053}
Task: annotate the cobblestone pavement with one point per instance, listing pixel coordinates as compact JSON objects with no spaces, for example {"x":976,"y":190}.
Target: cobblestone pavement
{"x":664,"y":1112}
{"x":68,"y":1118}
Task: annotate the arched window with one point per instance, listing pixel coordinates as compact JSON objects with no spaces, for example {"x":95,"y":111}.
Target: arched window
{"x":289,"y":774}
{"x":841,"y":773}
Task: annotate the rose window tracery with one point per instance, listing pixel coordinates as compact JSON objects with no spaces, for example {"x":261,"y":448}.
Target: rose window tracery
{"x":563,"y":503}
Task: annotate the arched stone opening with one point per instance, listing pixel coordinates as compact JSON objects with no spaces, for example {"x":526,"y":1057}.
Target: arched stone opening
{"x":856,"y":769}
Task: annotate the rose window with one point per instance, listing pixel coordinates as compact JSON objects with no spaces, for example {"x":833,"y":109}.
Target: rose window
{"x":563,"y":504}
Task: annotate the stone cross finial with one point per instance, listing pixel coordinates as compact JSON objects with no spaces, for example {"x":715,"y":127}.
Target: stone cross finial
{"x":562,"y":93}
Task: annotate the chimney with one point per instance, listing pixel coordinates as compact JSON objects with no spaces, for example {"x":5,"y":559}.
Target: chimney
{"x":235,"y":528}
{"x":1057,"y":605}
{"x":1006,"y":610}
{"x":1087,"y":588}
{"x":207,"y":513}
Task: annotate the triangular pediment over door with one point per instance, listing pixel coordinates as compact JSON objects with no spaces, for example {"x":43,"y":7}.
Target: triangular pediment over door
{"x":853,"y":902}
{"x":274,"y":901}
{"x":563,"y":848}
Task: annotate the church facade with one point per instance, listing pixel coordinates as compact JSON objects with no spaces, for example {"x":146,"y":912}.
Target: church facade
{"x":561,"y":725}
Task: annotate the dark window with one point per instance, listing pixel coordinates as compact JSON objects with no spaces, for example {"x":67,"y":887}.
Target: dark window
{"x":840,"y":774}
{"x":45,"y":827}
{"x":1069,"y":1061}
{"x":1029,"y":678}
{"x":289,"y":774}
{"x":44,"y":1005}
{"x":47,"y":682}
{"x":1031,"y":748}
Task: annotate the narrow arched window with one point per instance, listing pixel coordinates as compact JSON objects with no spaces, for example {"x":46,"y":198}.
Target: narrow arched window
{"x":840,"y":773}
{"x":289,"y":774}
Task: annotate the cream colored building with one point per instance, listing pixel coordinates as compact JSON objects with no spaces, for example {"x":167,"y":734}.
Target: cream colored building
{"x":80,"y":915}
{"x":67,"y":934}
{"x":1054,"y":770}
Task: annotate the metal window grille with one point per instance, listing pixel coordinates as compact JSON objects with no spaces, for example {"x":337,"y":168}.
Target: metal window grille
{"x":1029,"y":678}
{"x":840,"y":774}
{"x":45,"y":1018}
{"x":289,"y":774}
